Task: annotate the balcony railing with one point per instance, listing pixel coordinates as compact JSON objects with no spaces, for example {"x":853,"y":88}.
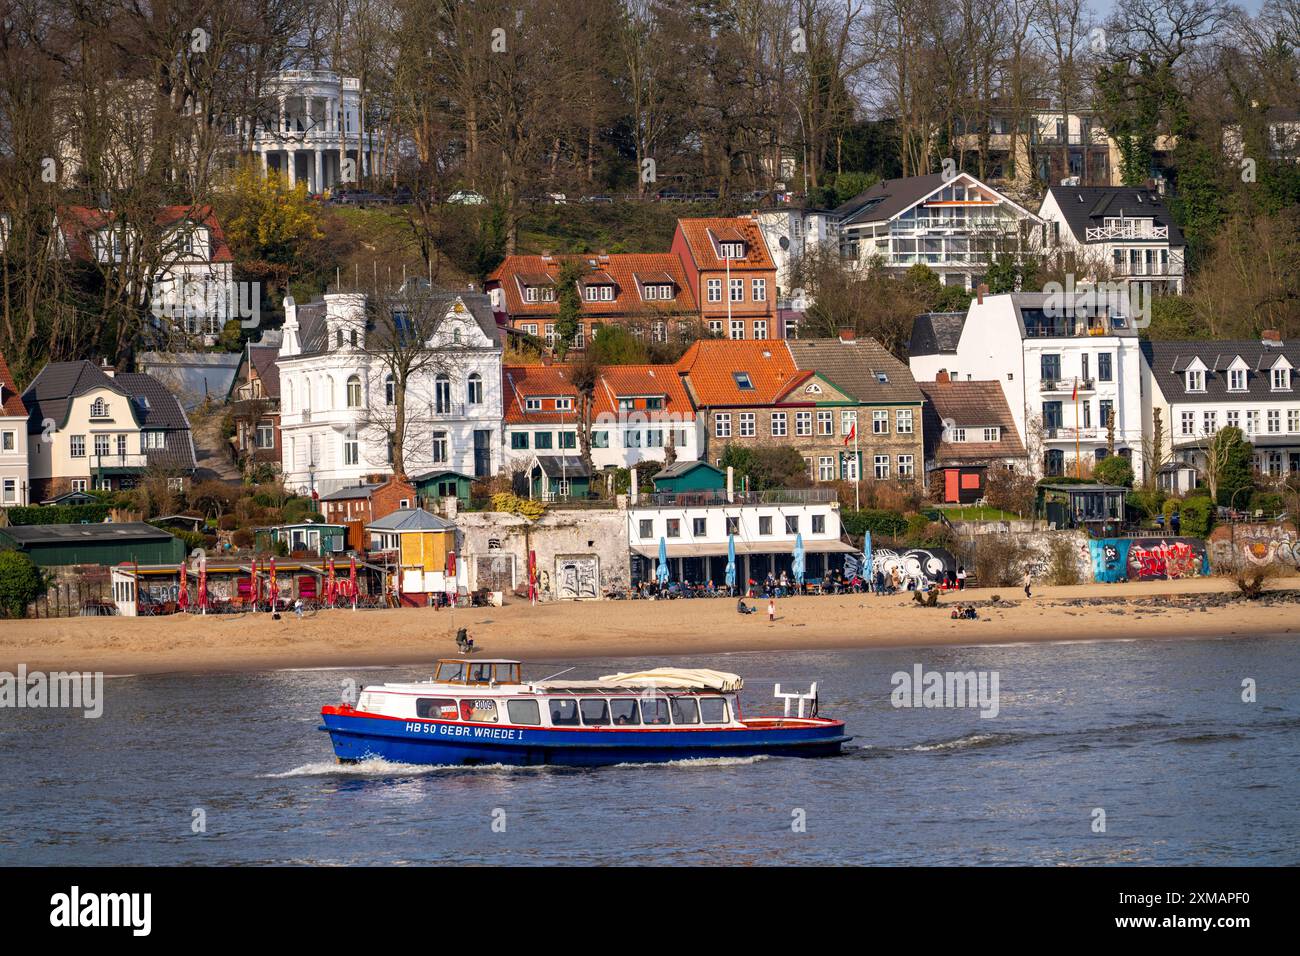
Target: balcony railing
{"x":705,"y":499}
{"x":1066,"y":385}
{"x":1074,"y":434}
{"x":118,"y":461}
{"x":1066,"y":328}
{"x":1125,"y":231}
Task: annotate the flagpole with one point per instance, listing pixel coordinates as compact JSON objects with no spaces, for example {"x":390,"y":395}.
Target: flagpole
{"x":857,"y":466}
{"x":1078,"y":424}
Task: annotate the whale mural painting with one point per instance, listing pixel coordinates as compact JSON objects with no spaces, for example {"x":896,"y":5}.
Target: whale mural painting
{"x":934,"y":564}
{"x":1147,"y":559}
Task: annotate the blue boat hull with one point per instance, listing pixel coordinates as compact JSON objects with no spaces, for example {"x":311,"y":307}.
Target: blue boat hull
{"x":358,"y":737}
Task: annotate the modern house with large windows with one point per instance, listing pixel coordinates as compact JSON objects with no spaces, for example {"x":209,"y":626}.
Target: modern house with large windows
{"x":338,"y":397}
{"x":1070,"y":372}
{"x":1123,"y":233}
{"x":1201,"y":388}
{"x":954,"y":225}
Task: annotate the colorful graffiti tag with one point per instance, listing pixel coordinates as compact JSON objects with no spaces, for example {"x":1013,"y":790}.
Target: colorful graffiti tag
{"x":935,"y":564}
{"x":1146,"y":559}
{"x":1258,"y":544}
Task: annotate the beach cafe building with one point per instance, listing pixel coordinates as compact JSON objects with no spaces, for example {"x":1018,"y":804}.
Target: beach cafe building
{"x":696,"y":527}
{"x":417,"y":549}
{"x":148,"y":589}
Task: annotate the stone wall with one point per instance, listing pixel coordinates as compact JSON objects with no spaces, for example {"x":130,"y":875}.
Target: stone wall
{"x":581,"y":552}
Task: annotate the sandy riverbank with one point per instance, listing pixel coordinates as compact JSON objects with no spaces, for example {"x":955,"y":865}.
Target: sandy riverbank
{"x":617,"y":628}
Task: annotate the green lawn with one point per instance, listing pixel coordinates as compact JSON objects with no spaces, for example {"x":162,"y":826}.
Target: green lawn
{"x":977,"y":513}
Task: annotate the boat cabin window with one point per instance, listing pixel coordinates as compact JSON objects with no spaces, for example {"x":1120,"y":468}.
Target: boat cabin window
{"x":624,"y":712}
{"x":480,"y":674}
{"x":713,"y":710}
{"x":654,"y":710}
{"x":595,"y":712}
{"x":435,"y":708}
{"x":450,"y":672}
{"x":524,"y":712}
{"x":482,"y":710}
{"x":685,"y":710}
{"x":564,"y":712}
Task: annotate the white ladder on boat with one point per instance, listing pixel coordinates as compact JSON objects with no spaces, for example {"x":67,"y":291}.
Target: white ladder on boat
{"x":790,"y":696}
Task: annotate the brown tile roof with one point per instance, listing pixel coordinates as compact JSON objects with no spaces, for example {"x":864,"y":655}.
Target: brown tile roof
{"x":710,"y":366}
{"x":620,"y":268}
{"x":864,"y":369}
{"x":700,"y":235}
{"x":968,"y":405}
{"x":11,"y":402}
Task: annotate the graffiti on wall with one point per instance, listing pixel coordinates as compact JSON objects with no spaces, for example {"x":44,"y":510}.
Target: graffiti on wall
{"x":578,"y":578}
{"x":1258,"y":544}
{"x":1147,"y":559}
{"x":934,"y":564}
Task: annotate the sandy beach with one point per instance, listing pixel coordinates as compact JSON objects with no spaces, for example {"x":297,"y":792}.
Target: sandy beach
{"x":190,"y":643}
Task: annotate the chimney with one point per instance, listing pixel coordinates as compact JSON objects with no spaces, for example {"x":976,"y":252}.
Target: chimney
{"x":1271,"y":337}
{"x":731,"y":484}
{"x":632,"y":488}
{"x":848,"y":336}
{"x":106,"y":368}
{"x":980,"y":293}
{"x":942,"y":376}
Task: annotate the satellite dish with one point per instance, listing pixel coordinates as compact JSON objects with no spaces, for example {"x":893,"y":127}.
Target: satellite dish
{"x":784,"y":242}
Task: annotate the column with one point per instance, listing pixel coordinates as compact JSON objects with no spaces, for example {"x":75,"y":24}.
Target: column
{"x":319,"y":185}
{"x":266,"y":163}
{"x":291,"y":156}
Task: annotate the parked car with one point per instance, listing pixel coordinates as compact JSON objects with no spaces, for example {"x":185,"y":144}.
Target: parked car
{"x":466,"y":197}
{"x":356,"y":197}
{"x":598,"y":199}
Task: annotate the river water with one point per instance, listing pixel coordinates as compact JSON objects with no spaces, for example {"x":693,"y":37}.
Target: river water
{"x":1155,"y":734}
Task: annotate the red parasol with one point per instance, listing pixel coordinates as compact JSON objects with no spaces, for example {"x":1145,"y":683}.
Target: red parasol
{"x":183,"y":592}
{"x":203,"y":583}
{"x":331,"y":586}
{"x":273,"y":590}
{"x":450,"y":578}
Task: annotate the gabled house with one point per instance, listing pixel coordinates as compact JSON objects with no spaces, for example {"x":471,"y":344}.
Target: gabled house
{"x":92,"y":427}
{"x":1203,"y":387}
{"x":647,"y":292}
{"x":1124,"y":232}
{"x":956,"y":226}
{"x":191,"y":283}
{"x":256,"y":408}
{"x":1068,"y":373}
{"x":14,"y":478}
{"x":337,"y":396}
{"x":731,"y":274}
{"x":638,"y":411}
{"x":969,"y":432}
{"x":355,"y":507}
{"x":850,"y":408}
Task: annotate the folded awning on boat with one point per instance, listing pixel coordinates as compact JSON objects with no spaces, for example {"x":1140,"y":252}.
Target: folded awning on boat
{"x":693,"y":678}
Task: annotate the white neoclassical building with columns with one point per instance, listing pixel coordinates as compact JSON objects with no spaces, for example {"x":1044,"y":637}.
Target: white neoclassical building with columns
{"x":338,"y":397}
{"x":314,"y":126}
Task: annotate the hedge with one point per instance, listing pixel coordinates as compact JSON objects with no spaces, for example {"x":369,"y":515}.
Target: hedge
{"x":880,"y":522}
{"x":58,"y":514}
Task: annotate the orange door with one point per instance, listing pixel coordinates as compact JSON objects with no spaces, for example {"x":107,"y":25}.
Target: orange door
{"x":950,"y":486}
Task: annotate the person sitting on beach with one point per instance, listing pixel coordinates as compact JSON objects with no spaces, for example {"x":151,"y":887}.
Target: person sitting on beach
{"x":743,"y":608}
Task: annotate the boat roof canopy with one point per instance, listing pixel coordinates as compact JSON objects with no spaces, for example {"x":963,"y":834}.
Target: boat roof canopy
{"x":690,"y":678}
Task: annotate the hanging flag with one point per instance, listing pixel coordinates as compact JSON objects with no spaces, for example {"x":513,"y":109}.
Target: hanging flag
{"x":1074,"y":396}
{"x":853,"y":434}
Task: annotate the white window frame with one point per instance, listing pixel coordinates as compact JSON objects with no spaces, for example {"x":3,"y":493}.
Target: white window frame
{"x":713,"y":290}
{"x":747,"y":424}
{"x":722,"y":425}
{"x":780,"y":425}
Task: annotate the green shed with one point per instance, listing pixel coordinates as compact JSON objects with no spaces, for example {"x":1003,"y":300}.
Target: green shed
{"x":312,"y":538}
{"x":559,"y":478}
{"x":433,"y":486}
{"x":690,"y":476}
{"x":53,"y":545}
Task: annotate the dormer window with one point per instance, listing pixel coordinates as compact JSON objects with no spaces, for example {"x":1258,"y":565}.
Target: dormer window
{"x":731,"y":250}
{"x":532,"y":404}
{"x":660,"y":292}
{"x":1195,"y":380}
{"x":99,"y":409}
{"x":1281,"y":379}
{"x":563,"y":404}
{"x":1236,"y":380}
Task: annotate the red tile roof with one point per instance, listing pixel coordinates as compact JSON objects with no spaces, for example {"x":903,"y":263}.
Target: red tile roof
{"x":547,"y":382}
{"x":621,"y":268}
{"x":711,"y":366}
{"x":77,"y":222}
{"x":11,"y":402}
{"x":700,"y":235}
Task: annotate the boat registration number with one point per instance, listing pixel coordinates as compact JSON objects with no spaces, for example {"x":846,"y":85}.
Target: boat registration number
{"x":461,"y":730}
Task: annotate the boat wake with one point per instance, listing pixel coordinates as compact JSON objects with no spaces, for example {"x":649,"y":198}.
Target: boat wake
{"x":698,"y":763}
{"x":964,"y":743}
{"x":374,"y":767}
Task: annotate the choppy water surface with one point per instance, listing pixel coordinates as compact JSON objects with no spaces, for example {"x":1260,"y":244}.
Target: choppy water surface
{"x":1153,"y":732}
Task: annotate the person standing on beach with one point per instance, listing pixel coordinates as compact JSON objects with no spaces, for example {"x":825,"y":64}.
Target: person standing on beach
{"x":961,"y":578}
{"x":771,"y":610}
{"x":1029,"y":579}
